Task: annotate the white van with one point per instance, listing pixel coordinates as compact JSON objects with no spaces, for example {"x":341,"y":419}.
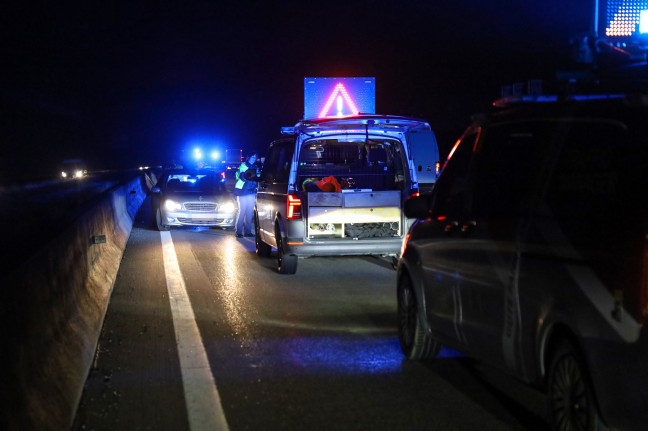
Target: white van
{"x":336,"y":186}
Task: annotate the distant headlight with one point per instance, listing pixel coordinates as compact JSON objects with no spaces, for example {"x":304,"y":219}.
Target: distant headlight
{"x":64,"y":174}
{"x":171,"y":205}
{"x":228,"y":207}
{"x":78,"y":174}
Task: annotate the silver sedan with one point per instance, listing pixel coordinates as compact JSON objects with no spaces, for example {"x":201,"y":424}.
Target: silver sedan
{"x":193,"y":197}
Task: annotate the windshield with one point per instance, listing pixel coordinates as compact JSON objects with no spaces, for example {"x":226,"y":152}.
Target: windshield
{"x":205,"y":183}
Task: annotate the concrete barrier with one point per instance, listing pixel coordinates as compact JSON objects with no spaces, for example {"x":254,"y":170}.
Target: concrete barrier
{"x":58,"y":301}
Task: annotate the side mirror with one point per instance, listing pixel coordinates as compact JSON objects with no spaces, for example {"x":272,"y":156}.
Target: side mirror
{"x":417,"y":206}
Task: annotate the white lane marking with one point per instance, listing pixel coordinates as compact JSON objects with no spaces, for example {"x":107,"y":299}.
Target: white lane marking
{"x":204,"y":406}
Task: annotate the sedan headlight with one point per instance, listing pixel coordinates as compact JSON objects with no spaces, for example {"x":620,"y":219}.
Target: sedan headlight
{"x":172,"y":205}
{"x":227,"y":207}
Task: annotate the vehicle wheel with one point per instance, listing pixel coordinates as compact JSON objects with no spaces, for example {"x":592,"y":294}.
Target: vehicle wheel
{"x":262,"y":249}
{"x":158,"y":221}
{"x":415,"y":343}
{"x":286,"y":263}
{"x":571,"y":400}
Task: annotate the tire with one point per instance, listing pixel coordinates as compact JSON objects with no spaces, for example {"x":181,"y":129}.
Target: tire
{"x":415,"y":342}
{"x":158,"y":221}
{"x":286,"y":263}
{"x":262,"y":249}
{"x":572,"y":405}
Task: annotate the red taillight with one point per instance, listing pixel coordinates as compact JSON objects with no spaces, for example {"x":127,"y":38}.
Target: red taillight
{"x":293,"y":207}
{"x":404,"y":244}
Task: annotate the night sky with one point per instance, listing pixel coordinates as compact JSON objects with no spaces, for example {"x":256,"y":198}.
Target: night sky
{"x":127,"y":83}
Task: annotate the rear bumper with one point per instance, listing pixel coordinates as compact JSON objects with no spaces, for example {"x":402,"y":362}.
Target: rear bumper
{"x":298,"y":244}
{"x":344,"y":246}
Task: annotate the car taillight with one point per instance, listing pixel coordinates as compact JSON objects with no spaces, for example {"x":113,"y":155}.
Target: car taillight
{"x":404,"y":244}
{"x":293,"y":207}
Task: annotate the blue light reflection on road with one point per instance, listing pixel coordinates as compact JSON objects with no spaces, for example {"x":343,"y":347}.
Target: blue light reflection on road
{"x":337,"y":355}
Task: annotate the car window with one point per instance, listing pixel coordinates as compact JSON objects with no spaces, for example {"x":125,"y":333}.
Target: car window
{"x":358,"y":163}
{"x":204,"y":183}
{"x":450,"y":190}
{"x":598,"y":170}
{"x":594,"y":197}
{"x":276,"y":167}
{"x":509,"y":158}
{"x":354,"y":154}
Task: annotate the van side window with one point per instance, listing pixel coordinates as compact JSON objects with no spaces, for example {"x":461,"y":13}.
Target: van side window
{"x":276,"y":168}
{"x":591,"y":173}
{"x":595,"y":198}
{"x":508,"y":161}
{"x":452,"y":187}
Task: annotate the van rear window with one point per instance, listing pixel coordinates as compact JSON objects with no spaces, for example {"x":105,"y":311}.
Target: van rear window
{"x":356,"y":164}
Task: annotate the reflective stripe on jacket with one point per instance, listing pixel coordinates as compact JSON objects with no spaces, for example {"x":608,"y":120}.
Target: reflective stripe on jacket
{"x":240,"y":182}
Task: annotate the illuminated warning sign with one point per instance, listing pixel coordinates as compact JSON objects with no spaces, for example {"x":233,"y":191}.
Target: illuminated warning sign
{"x":623,"y":17}
{"x":339,"y":97}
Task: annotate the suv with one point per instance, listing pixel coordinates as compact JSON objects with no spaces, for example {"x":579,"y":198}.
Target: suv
{"x":336,"y":186}
{"x":531,"y":254}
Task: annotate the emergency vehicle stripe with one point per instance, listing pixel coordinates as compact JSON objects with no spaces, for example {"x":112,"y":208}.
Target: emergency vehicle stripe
{"x":589,"y":283}
{"x":203,"y":402}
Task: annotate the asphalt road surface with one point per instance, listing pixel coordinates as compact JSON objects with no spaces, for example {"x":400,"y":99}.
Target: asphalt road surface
{"x":240,"y":347}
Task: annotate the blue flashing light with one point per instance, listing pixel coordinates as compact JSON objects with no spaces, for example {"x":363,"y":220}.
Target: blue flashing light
{"x":197,"y":153}
{"x":215,"y":155}
{"x":643,"y":22}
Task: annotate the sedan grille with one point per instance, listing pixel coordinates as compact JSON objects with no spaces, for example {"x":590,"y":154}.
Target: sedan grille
{"x":194,"y":222}
{"x":200,"y":206}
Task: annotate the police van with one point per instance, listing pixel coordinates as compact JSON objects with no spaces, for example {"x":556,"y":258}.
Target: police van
{"x":531,"y":254}
{"x":336,"y":186}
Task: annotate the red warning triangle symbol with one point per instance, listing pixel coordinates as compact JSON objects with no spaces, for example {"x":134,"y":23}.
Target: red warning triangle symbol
{"x":339,"y":91}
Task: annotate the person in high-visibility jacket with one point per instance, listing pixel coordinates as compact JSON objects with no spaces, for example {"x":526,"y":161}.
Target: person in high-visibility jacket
{"x":245,"y":191}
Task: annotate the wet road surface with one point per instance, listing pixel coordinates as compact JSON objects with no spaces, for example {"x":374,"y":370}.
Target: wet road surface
{"x":317,"y":350}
